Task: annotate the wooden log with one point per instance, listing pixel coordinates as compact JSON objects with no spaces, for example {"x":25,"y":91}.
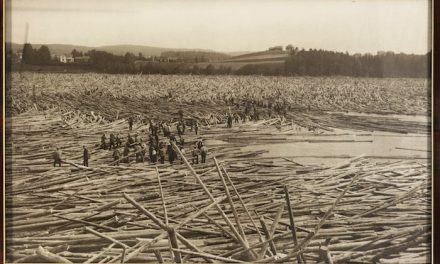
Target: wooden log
{"x":231,"y":203}
{"x":236,"y":234}
{"x":51,"y":257}
{"x":174,"y":244}
{"x":267,"y":234}
{"x":97,"y":256}
{"x":206,"y":255}
{"x":300,"y":258}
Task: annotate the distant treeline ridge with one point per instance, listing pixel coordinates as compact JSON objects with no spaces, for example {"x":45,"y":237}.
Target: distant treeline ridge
{"x":310,"y":62}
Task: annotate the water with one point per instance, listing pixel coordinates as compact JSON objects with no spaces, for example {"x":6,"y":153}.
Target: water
{"x":383,"y":145}
{"x":410,"y":118}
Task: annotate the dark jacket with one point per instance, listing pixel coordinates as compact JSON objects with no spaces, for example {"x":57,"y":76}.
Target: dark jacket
{"x":86,"y":154}
{"x":57,"y":155}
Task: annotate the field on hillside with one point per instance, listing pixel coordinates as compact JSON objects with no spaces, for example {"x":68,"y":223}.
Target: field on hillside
{"x":272,"y":59}
{"x":262,"y":55}
{"x":237,"y":65}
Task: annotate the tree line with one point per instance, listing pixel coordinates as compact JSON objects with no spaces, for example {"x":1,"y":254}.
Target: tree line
{"x":385,"y":64}
{"x":302,"y":62}
{"x":39,"y":56}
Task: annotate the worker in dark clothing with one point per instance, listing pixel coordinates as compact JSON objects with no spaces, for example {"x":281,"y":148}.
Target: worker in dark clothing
{"x":125,"y":154}
{"x":137,"y":150}
{"x":173,"y":138}
{"x":163,"y":126}
{"x":103,"y":142}
{"x":57,"y":157}
{"x":195,"y":155}
{"x":153,"y":158}
{"x":143,"y":150}
{"x":171,"y":153}
{"x":156,"y":138}
{"x":196,"y":127}
{"x":199,"y":144}
{"x":179,"y":129}
{"x":130,"y":140}
{"x":112,"y":142}
{"x":154,"y":129}
{"x":181,"y":142}
{"x":150,"y":152}
{"x":118,"y":141}
{"x":116,"y":156}
{"x":236,"y":118}
{"x":162,"y":152}
{"x":130,"y":123}
{"x":256,"y":115}
{"x":204,"y":153}
{"x":86,"y":156}
{"x":229,"y":121}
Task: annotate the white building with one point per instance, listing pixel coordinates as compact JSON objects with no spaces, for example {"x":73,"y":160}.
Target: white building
{"x":65,"y":59}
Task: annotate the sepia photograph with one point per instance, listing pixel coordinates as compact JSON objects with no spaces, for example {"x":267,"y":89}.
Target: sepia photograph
{"x":218,"y":131}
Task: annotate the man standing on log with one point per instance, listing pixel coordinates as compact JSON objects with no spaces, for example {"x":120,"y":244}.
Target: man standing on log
{"x":130,"y":140}
{"x":57,"y":157}
{"x":130,"y":123}
{"x":236,"y":118}
{"x":151,"y":150}
{"x":125,"y":153}
{"x":196,"y":127}
{"x":144,"y":150}
{"x":171,"y":153}
{"x":181,"y":142}
{"x":103,"y":142}
{"x":116,"y":156}
{"x":137,"y":150}
{"x":162,"y":152}
{"x":86,"y":156}
{"x":112,"y":142}
{"x":199,"y":144}
{"x":204,"y":152}
{"x":195,"y":155}
{"x":118,"y":141}
{"x":229,"y":121}
{"x":179,"y":128}
{"x":173,"y":138}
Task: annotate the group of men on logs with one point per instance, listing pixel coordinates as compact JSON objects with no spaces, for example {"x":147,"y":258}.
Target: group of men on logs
{"x":158,"y":150}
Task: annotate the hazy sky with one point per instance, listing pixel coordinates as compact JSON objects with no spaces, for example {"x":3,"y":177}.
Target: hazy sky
{"x":240,"y":25}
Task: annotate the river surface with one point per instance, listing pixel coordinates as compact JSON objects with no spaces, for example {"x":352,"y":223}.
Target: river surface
{"x":382,"y":145}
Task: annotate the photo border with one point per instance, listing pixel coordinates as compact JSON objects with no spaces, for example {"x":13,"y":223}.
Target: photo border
{"x":435,"y":130}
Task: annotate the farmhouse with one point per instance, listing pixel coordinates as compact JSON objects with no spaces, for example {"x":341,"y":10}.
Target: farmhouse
{"x":65,"y":59}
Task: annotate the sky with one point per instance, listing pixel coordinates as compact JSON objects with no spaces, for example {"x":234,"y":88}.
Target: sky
{"x":227,"y":25}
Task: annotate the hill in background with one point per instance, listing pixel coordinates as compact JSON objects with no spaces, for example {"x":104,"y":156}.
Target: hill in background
{"x":60,"y":49}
